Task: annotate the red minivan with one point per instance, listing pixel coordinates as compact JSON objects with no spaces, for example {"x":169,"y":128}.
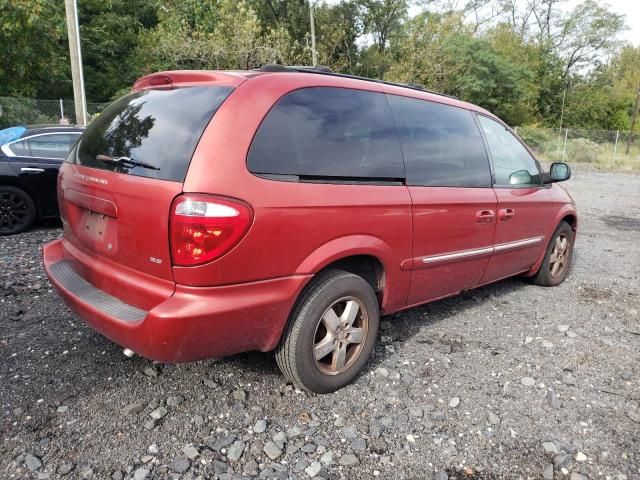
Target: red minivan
{"x":208,"y":213}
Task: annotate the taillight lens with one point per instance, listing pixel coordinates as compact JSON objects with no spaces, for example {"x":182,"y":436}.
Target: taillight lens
{"x":205,"y":227}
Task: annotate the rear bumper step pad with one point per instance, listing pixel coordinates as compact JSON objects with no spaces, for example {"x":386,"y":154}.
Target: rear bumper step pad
{"x":99,"y":299}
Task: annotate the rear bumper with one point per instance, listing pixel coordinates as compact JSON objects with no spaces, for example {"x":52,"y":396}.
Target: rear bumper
{"x":191,"y":324}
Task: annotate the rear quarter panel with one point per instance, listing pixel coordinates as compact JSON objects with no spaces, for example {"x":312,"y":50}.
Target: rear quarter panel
{"x":298,"y":228}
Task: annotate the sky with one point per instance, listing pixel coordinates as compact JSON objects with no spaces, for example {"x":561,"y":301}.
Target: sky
{"x":630,"y":8}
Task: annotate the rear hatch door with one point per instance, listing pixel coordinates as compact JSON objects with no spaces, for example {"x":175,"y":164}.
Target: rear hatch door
{"x":119,"y":180}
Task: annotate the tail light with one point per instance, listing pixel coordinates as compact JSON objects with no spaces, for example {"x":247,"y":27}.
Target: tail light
{"x":205,"y":227}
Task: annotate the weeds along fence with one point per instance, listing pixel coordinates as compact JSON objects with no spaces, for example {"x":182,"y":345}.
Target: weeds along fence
{"x":30,"y":111}
{"x":603,"y":148}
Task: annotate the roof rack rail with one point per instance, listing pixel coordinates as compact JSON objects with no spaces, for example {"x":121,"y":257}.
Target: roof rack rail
{"x":321,"y":70}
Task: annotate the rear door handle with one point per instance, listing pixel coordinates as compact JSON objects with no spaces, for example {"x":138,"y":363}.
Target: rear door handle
{"x":485,"y":216}
{"x":31,"y":170}
{"x":506,"y":214}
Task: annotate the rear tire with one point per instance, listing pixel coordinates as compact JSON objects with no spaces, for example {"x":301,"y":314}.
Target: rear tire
{"x":557,"y":260}
{"x":331,"y":332}
{"x":17,"y":210}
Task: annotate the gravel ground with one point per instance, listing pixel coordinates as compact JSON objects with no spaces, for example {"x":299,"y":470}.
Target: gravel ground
{"x":508,"y":381}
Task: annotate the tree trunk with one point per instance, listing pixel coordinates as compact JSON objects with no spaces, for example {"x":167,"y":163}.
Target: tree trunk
{"x":633,"y":120}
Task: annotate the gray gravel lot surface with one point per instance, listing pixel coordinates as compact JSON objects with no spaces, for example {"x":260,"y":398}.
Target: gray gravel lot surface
{"x":508,"y":381}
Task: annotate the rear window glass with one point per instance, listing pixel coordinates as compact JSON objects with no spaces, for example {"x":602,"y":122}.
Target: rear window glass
{"x":442,"y":145}
{"x":159,"y":128}
{"x":328,"y":132}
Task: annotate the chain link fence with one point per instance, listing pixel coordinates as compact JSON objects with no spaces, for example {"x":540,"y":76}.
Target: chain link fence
{"x":604,"y":148}
{"x":31,"y":111}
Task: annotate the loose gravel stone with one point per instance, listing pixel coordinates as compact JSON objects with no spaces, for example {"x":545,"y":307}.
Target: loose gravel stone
{"x":359,"y":444}
{"x":235,"y":450}
{"x":260,"y":426}
{"x":350,"y":432}
{"x":240,"y":395}
{"x":552,"y":398}
{"x":547,"y":473}
{"x":348,"y":460}
{"x":528,"y":381}
{"x":493,"y":418}
{"x":32,"y":462}
{"x":314,"y":469}
{"x":159,"y":413}
{"x":191,"y":452}
{"x":454,"y":402}
{"x":141,"y":474}
{"x":174,"y":401}
{"x":180,"y":464}
{"x":272,"y":450}
{"x":65,"y":468}
{"x":133,"y":408}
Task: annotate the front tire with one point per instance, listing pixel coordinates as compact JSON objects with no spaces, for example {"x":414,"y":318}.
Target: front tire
{"x":17,"y":210}
{"x":331,"y":333}
{"x":557,"y":261}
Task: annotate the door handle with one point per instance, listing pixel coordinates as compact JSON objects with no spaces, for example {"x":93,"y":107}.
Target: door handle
{"x":31,"y":170}
{"x":485,"y":216}
{"x":506,"y":214}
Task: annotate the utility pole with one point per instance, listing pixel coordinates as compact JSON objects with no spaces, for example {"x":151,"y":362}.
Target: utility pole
{"x":633,"y":120}
{"x":73,"y":30}
{"x":314,"y":54}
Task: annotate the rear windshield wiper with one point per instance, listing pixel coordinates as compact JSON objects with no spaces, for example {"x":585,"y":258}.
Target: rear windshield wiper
{"x":126,"y":161}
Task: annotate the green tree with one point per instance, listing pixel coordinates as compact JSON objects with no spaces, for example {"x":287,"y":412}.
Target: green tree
{"x":33,"y":41}
{"x":110,"y":32}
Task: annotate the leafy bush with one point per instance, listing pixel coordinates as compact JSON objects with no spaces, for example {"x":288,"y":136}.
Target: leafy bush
{"x":23,"y":111}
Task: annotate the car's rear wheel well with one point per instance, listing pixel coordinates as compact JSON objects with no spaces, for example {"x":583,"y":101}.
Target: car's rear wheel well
{"x":366,"y":266}
{"x":572,"y":220}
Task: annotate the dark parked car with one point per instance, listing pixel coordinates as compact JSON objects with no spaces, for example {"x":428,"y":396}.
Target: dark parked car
{"x":286,"y":209}
{"x":29,"y":164}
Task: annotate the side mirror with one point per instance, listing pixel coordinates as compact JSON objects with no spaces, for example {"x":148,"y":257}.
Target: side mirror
{"x":559,"y":172}
{"x":521,"y":177}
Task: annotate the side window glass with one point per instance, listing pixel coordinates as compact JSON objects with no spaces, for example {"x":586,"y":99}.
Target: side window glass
{"x":21,"y":148}
{"x":328,"y":132}
{"x":512,"y":163}
{"x":442,"y":145}
{"x":51,"y":146}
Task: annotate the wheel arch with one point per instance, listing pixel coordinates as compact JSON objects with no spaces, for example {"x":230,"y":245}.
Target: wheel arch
{"x":566,"y":214}
{"x":367,"y":256}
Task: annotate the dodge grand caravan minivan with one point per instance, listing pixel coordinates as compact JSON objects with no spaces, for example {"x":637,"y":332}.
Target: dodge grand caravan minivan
{"x":208,"y":213}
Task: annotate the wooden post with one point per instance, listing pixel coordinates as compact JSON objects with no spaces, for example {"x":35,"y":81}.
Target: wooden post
{"x":314,"y":54}
{"x":633,"y":121}
{"x":75,"y":54}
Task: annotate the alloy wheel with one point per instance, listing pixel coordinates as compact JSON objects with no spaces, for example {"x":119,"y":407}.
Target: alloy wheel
{"x":558,"y":261}
{"x":14,"y":212}
{"x":340,"y":335}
